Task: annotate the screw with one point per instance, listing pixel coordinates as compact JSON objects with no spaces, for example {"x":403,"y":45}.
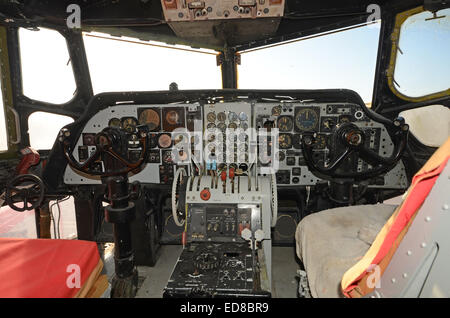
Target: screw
{"x":445,"y":207}
{"x":393,"y":280}
{"x":423,"y":245}
{"x":405,"y":275}
{"x":409,"y":253}
{"x":427,"y":219}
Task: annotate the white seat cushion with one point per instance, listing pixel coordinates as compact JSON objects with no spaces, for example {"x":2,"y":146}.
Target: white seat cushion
{"x":330,"y":242}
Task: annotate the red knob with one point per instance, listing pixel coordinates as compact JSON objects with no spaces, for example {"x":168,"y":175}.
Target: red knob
{"x":205,"y":194}
{"x":231,"y":173}
{"x":223,"y":175}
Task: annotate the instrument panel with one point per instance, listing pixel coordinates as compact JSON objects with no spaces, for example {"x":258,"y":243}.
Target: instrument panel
{"x":226,"y":131}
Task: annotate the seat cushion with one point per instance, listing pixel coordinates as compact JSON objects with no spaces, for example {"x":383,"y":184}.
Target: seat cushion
{"x":41,"y":268}
{"x":330,"y":242}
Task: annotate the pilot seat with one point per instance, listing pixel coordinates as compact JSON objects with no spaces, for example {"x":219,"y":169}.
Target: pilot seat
{"x":377,"y":250}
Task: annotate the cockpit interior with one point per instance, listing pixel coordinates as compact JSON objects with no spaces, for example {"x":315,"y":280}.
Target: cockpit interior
{"x":230,"y":192}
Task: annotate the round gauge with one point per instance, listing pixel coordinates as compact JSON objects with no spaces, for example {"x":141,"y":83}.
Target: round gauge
{"x":211,"y":137}
{"x":129,"y":123}
{"x":306,"y":119}
{"x":243,"y":125}
{"x":232,"y":137}
{"x":114,"y":123}
{"x":321,"y":142}
{"x":211,"y":126}
{"x":211,"y":117}
{"x":150,"y":118}
{"x":164,"y":141}
{"x":276,"y":111}
{"x":221,"y":117}
{"x":243,"y":116}
{"x":232,"y":116}
{"x":243,"y":147}
{"x":182,"y":155}
{"x":328,"y":124}
{"x":222,"y":126}
{"x":243,"y":137}
{"x":285,"y":141}
{"x":212,"y":148}
{"x":232,"y":126}
{"x":173,"y":118}
{"x":179,"y":138}
{"x":285,"y":123}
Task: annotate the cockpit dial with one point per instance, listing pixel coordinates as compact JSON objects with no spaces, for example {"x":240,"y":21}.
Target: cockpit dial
{"x":285,"y":141}
{"x":173,"y":118}
{"x":306,"y":119}
{"x":129,"y":124}
{"x":221,"y":117}
{"x":285,"y":123}
{"x":276,"y":111}
{"x":115,"y":123}
{"x":150,"y":118}
{"x":243,"y":116}
{"x":164,"y":141}
{"x":211,"y":117}
{"x":232,"y":116}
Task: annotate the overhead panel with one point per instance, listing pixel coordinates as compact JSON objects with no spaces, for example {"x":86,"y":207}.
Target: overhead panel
{"x":223,"y":22}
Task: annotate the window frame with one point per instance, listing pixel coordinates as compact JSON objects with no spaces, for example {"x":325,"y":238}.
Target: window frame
{"x":400,"y":18}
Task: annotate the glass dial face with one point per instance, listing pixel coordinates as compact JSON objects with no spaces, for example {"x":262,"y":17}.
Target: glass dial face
{"x":285,"y":141}
{"x":173,"y":118}
{"x":232,"y":116}
{"x":129,"y":124}
{"x":211,"y":126}
{"x":321,"y":142}
{"x":243,"y":125}
{"x":243,"y":116}
{"x":211,"y":117}
{"x":150,"y":118}
{"x":306,"y":119}
{"x":232,"y":126}
{"x":222,"y":126}
{"x":276,"y":111}
{"x":115,"y":123}
{"x":285,"y":123}
{"x":164,"y":141}
{"x":221,"y":117}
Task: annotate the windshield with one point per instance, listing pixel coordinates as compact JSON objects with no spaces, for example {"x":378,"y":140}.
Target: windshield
{"x":118,"y":64}
{"x":345,"y":59}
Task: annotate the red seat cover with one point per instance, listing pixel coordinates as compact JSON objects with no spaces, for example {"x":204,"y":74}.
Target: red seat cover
{"x":39,"y":267}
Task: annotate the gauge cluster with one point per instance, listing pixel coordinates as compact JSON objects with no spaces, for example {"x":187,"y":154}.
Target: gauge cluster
{"x":293,"y":119}
{"x":224,"y":131}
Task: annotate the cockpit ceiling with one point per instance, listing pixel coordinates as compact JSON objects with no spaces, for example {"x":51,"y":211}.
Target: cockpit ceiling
{"x":228,"y":23}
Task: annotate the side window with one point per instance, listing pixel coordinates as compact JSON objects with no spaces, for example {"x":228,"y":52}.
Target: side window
{"x":47,"y":74}
{"x":43,"y":129}
{"x":431,"y":124}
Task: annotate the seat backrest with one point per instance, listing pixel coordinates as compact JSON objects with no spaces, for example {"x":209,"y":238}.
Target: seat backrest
{"x":358,"y":280}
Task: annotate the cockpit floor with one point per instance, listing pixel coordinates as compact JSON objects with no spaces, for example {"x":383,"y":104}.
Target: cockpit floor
{"x":152,"y":280}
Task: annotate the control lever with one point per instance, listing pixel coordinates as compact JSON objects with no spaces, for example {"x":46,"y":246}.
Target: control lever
{"x":253,"y":238}
{"x":231,"y":175}
{"x":223,"y":177}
